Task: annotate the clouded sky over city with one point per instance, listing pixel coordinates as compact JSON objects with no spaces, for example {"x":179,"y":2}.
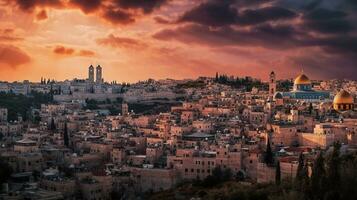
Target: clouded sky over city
{"x":139,"y":39}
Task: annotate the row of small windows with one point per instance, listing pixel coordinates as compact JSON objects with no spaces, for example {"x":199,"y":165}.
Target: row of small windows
{"x":309,"y":97}
{"x":343,"y":106}
{"x":203,"y":162}
{"x":198,"y":170}
{"x":225,"y":153}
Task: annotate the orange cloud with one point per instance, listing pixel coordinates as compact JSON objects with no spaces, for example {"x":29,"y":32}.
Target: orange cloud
{"x":8,"y":35}
{"x":63,"y":50}
{"x":121,"y":42}
{"x":42,"y":15}
{"x":86,"y":53}
{"x":7,"y":31}
{"x":69,"y":51}
{"x":12,"y":56}
{"x":162,"y":20}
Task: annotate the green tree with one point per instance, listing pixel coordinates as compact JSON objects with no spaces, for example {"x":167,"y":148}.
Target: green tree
{"x":65,"y":135}
{"x":268,"y":156}
{"x":217,"y":173}
{"x":305,"y":184}
{"x":52,"y":125}
{"x":333,"y":165}
{"x":318,"y":177}
{"x":277,"y":173}
{"x":333,"y":172}
{"x":348,"y":175}
{"x":299,"y":172}
{"x":226,"y":175}
{"x":5,"y":172}
{"x":51,"y":90}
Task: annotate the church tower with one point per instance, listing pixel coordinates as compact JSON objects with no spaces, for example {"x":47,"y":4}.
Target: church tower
{"x":272,"y":84}
{"x":124,"y":109}
{"x":99,"y":78}
{"x":91,"y":73}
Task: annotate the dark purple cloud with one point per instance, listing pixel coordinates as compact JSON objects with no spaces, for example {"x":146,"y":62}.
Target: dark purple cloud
{"x":325,"y":28}
{"x":147,"y":6}
{"x":29,"y":5}
{"x":114,"y":11}
{"x":269,"y":36}
{"x":211,"y":13}
{"x":118,"y":16}
{"x":327,"y":21}
{"x":87,"y":6}
{"x":221,"y":13}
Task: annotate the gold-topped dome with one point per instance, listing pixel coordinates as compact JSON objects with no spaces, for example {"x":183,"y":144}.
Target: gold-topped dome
{"x":343,"y":97}
{"x":302,"y":79}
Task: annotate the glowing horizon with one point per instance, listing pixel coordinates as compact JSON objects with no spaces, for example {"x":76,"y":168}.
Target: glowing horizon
{"x":135,"y":40}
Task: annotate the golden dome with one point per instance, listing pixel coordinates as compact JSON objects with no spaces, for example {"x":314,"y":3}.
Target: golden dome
{"x":302,"y":79}
{"x":343,"y":97}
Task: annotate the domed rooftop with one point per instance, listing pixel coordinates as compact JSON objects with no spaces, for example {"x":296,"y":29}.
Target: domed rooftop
{"x":278,"y":95}
{"x":343,"y":97}
{"x":302,"y":79}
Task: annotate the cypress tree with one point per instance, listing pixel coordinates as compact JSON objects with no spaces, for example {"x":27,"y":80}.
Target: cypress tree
{"x":5,"y":172}
{"x":299,"y":171}
{"x":51,"y":92}
{"x":52,"y":125}
{"x":318,"y":177}
{"x":305,"y":184}
{"x":333,"y":173}
{"x":268,"y":158}
{"x":277,"y":173}
{"x":65,"y":136}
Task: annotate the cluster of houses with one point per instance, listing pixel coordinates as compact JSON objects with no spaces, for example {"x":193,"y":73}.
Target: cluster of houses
{"x":73,"y":153}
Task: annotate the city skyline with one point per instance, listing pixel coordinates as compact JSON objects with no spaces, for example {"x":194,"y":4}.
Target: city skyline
{"x":178,"y":99}
{"x":135,"y":40}
{"x":92,"y":76}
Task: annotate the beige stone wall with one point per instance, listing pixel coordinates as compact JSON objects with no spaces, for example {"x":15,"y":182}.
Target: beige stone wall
{"x":288,"y":170}
{"x":29,"y":162}
{"x":250,"y":165}
{"x":25,"y":149}
{"x":265,"y":174}
{"x":154,"y":179}
{"x":66,"y":187}
{"x":197,"y":167}
{"x":316,"y":140}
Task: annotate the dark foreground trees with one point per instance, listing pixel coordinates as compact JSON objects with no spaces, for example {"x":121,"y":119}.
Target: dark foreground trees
{"x":333,"y":176}
{"x":5,"y":172}
{"x":330,"y":175}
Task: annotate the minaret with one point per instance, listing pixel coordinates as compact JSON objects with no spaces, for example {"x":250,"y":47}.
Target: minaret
{"x":91,"y":74}
{"x":272,"y":84}
{"x":99,"y":74}
{"x":124,"y":109}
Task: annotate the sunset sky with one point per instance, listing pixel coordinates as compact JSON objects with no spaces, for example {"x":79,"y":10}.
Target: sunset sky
{"x":140,"y":39}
